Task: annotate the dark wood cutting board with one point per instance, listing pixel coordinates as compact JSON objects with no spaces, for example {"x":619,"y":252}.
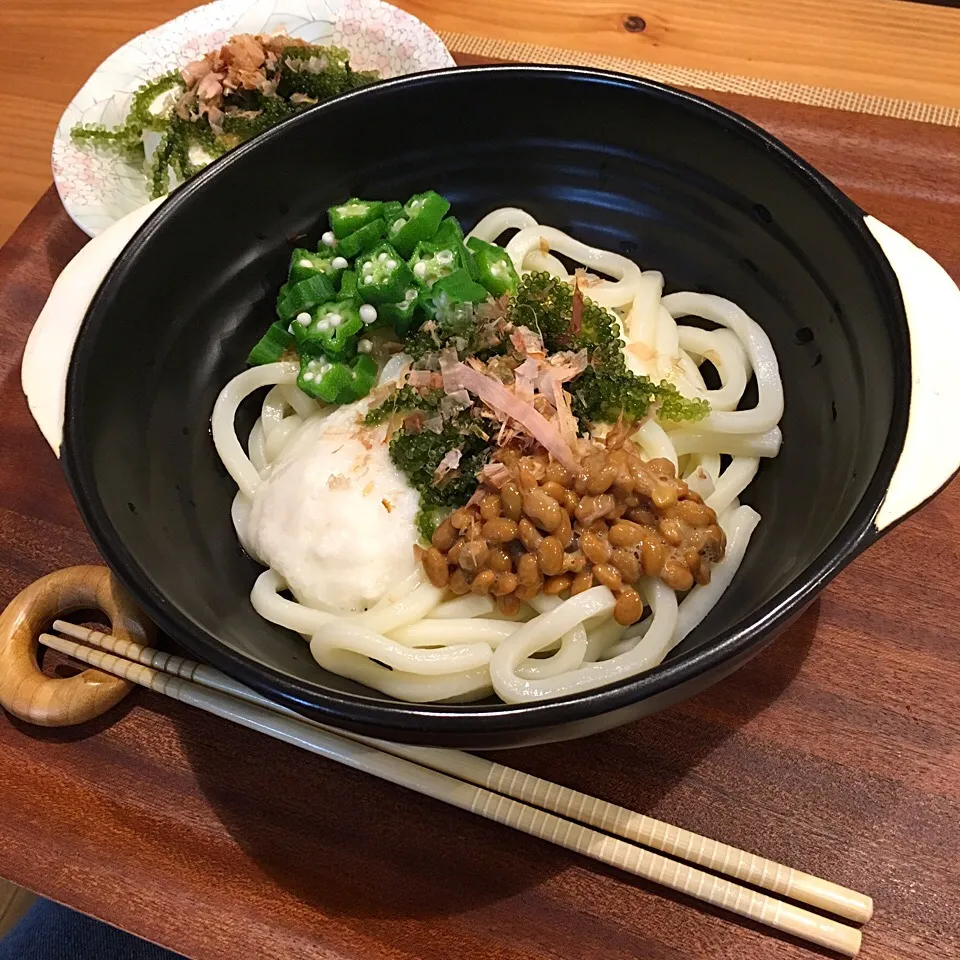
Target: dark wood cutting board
{"x":836,"y":751}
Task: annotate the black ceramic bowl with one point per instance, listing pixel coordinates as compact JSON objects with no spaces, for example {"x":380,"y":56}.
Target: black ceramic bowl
{"x":664,"y":177}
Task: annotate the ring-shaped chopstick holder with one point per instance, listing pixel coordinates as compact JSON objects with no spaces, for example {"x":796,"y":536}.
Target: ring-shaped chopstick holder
{"x":28,"y":693}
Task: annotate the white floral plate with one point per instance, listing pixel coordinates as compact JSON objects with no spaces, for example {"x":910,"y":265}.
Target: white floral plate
{"x":98,"y":189}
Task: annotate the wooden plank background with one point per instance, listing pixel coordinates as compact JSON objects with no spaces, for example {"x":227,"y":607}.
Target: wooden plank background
{"x":905,"y":50}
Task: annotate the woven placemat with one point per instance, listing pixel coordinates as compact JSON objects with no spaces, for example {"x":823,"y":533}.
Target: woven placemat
{"x":707,"y":79}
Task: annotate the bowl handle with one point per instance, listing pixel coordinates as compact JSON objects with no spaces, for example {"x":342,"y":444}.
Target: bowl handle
{"x":931,"y":450}
{"x":46,"y":358}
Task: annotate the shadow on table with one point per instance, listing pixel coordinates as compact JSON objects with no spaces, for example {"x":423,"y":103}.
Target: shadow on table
{"x":349,"y":844}
{"x":83,"y":731}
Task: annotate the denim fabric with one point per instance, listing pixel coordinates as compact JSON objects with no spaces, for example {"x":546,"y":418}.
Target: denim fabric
{"x":51,"y":932}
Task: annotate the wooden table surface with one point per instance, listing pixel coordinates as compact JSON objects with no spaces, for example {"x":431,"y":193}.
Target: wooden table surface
{"x":836,"y":751}
{"x":893,"y":48}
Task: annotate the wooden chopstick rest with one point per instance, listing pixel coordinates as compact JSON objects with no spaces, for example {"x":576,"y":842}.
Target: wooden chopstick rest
{"x":47,"y":701}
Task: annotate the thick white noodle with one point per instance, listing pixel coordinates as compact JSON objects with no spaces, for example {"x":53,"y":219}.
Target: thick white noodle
{"x":699,"y":481}
{"x":631,"y":637}
{"x":512,"y":688}
{"x":735,"y":444}
{"x":567,"y":653}
{"x":418,"y":645}
{"x":605,"y":293}
{"x":391,"y":369}
{"x":267,"y":601}
{"x":411,"y":608}
{"x":240,"y":515}
{"x":710,"y":462}
{"x":278,"y":437}
{"x":658,"y":639}
{"x":302,"y":405}
{"x":652,"y":340}
{"x":690,"y":375}
{"x":654,"y":441}
{"x":438,"y":632}
{"x":257,"y":448}
{"x":738,"y":525}
{"x":347,"y":635}
{"x":244,"y":473}
{"x":536,"y":635}
{"x":769,"y":409}
{"x":701,"y":473}
{"x":601,"y":638}
{"x":640,"y":326}
{"x":459,"y":608}
{"x":401,"y":588}
{"x":544,"y":604}
{"x":525,"y":613}
{"x":273,"y":409}
{"x":723,"y":350}
{"x":536,"y":261}
{"x":568,"y":656}
{"x":463,"y":686}
{"x":667,"y":347}
{"x":500,"y":220}
{"x":732,"y":482}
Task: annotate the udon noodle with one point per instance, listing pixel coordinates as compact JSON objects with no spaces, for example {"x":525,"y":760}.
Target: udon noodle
{"x":417,"y":644}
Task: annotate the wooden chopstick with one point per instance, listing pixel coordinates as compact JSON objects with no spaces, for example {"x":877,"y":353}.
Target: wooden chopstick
{"x":609,"y":817}
{"x":715,"y":890}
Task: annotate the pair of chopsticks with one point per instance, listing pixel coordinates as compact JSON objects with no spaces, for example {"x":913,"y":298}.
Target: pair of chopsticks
{"x":538,"y":807}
